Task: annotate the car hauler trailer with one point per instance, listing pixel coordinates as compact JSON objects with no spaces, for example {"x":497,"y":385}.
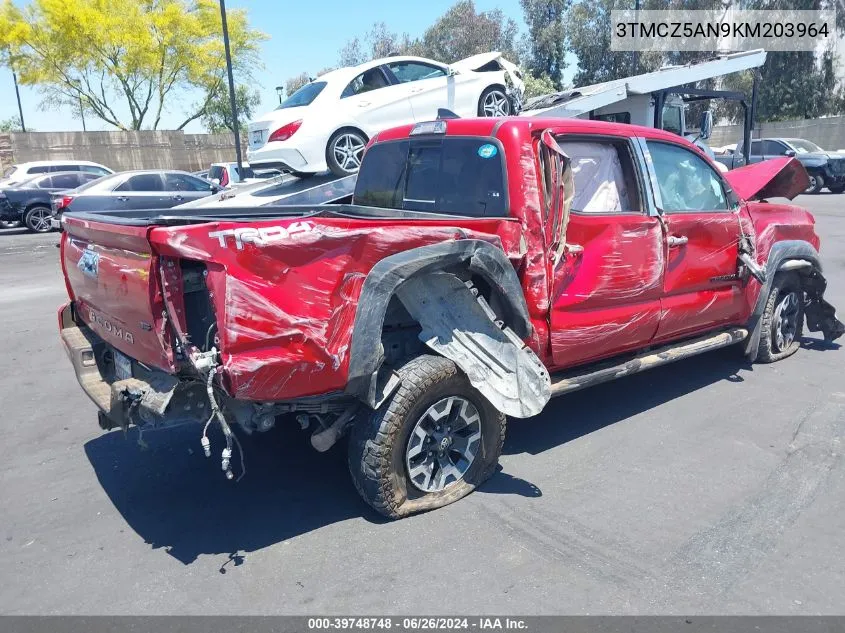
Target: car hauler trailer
{"x":657,"y":99}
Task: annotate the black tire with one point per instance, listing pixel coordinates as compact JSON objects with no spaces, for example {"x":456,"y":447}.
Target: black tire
{"x":837,"y":189}
{"x":770,"y":350}
{"x":331,"y":159}
{"x":816,"y":183}
{"x":378,"y":444}
{"x":34,"y":219}
{"x":506,"y":105}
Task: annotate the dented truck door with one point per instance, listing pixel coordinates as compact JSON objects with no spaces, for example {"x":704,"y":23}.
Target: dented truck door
{"x":607,"y":286}
{"x":701,"y":220}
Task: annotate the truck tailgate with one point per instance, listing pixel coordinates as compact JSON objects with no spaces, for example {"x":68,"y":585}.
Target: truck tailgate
{"x":111,"y":275}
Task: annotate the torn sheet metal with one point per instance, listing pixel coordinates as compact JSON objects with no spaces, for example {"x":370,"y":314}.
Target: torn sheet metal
{"x":458,"y":325}
{"x":285,"y":300}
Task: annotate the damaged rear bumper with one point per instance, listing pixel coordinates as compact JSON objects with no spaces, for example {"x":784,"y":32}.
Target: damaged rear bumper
{"x":147,"y":396}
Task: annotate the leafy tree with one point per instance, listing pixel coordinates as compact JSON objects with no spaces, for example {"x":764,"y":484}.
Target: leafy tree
{"x":141,"y":57}
{"x":537,"y":86}
{"x":462,"y":32}
{"x":12,"y":124}
{"x":218,"y":115}
{"x":295,"y":83}
{"x":546,"y":44}
{"x":378,"y":42}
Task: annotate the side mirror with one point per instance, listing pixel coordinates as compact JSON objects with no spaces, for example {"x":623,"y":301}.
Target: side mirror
{"x":215,"y":188}
{"x":450,"y":71}
{"x":705,"y":126}
{"x":789,"y":152}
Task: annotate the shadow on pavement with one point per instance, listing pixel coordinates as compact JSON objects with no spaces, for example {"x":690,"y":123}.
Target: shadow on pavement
{"x":176,"y":499}
{"x":584,"y":412}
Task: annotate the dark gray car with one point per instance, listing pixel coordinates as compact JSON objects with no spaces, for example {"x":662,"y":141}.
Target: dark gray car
{"x":149,"y":189}
{"x":825,"y":169}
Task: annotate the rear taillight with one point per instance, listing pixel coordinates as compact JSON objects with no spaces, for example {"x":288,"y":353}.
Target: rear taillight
{"x":285,"y":132}
{"x":66,"y":200}
{"x":224,"y":178}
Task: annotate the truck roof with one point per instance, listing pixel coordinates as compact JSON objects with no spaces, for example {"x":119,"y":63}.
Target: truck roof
{"x":496,"y":126}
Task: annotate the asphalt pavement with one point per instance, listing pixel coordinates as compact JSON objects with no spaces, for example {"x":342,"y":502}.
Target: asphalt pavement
{"x":705,"y":487}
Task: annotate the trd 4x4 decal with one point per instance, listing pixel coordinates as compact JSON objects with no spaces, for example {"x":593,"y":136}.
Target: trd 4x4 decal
{"x":263,"y":236}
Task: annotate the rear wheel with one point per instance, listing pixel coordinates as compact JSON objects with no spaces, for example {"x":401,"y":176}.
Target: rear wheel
{"x":494,"y":102}
{"x":837,"y":189}
{"x":345,"y":151}
{"x":783,"y":320}
{"x":431,"y":443}
{"x":37,"y":219}
{"x":816,"y":183}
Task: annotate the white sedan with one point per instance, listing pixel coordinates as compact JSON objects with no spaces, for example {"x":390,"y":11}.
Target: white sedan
{"x":326,"y":124}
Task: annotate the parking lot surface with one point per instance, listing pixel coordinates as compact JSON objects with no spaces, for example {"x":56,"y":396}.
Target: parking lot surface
{"x":707,"y":486}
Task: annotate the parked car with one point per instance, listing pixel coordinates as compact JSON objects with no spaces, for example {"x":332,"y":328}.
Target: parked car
{"x":23,"y":171}
{"x":826,"y":169}
{"x":30,"y":201}
{"x":448,"y":295}
{"x":728,"y":156}
{"x":147,"y":189}
{"x":228,"y":174}
{"x":327,"y":123}
{"x":201,"y":174}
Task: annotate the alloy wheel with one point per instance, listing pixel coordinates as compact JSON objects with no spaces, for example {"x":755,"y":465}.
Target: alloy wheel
{"x":785,"y":321}
{"x":495,"y":104}
{"x":39,"y":220}
{"x":443,"y":444}
{"x":348,"y":151}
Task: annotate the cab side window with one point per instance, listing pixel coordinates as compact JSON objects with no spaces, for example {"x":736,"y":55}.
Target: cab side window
{"x":604,"y":176}
{"x":686,"y":182}
{"x":773,"y":148}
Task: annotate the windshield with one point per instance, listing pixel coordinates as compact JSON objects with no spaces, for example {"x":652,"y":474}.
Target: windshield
{"x":452,"y":175}
{"x":804,"y":147}
{"x":304,"y":96}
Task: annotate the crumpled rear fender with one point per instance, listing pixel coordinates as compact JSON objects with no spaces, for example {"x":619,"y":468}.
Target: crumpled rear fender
{"x":386,"y":277}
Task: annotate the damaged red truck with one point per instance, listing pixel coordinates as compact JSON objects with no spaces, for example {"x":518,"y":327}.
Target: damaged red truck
{"x":481,"y":267}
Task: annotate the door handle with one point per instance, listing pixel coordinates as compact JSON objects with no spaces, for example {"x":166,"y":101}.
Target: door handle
{"x":417,"y":89}
{"x":363,"y":104}
{"x":674,"y":240}
{"x":177,"y":197}
{"x":123,"y":199}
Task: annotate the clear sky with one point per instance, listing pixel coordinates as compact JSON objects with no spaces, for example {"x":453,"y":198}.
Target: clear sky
{"x":304,"y":36}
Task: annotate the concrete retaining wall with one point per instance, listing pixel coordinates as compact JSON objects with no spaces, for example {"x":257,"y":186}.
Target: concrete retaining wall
{"x":827,"y":133}
{"x":146,"y":149}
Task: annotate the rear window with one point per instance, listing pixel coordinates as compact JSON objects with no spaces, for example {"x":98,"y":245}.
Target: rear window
{"x":304,"y":96}
{"x":216,"y":172}
{"x":450,"y":175}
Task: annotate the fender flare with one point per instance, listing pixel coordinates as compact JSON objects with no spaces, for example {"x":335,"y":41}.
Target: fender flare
{"x":780,"y":253}
{"x":477,"y":256}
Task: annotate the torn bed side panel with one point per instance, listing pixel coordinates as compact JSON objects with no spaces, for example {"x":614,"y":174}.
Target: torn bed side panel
{"x":285,"y":291}
{"x":459,"y":325}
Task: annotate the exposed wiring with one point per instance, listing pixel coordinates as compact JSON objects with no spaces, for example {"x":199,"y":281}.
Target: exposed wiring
{"x":216,"y":413}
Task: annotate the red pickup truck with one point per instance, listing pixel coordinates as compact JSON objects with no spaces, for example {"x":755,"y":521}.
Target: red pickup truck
{"x":481,"y":267}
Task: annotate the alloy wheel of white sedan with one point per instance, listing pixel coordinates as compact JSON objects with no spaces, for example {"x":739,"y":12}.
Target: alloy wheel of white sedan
{"x":495,"y":103}
{"x":347,"y":150}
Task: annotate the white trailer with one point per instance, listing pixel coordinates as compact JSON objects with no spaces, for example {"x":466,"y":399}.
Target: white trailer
{"x":655,"y":99}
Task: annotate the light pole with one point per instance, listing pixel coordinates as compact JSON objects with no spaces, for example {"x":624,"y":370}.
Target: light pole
{"x":232,"y":103}
{"x":280,"y":90}
{"x":636,"y":55}
{"x":18,"y":95}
